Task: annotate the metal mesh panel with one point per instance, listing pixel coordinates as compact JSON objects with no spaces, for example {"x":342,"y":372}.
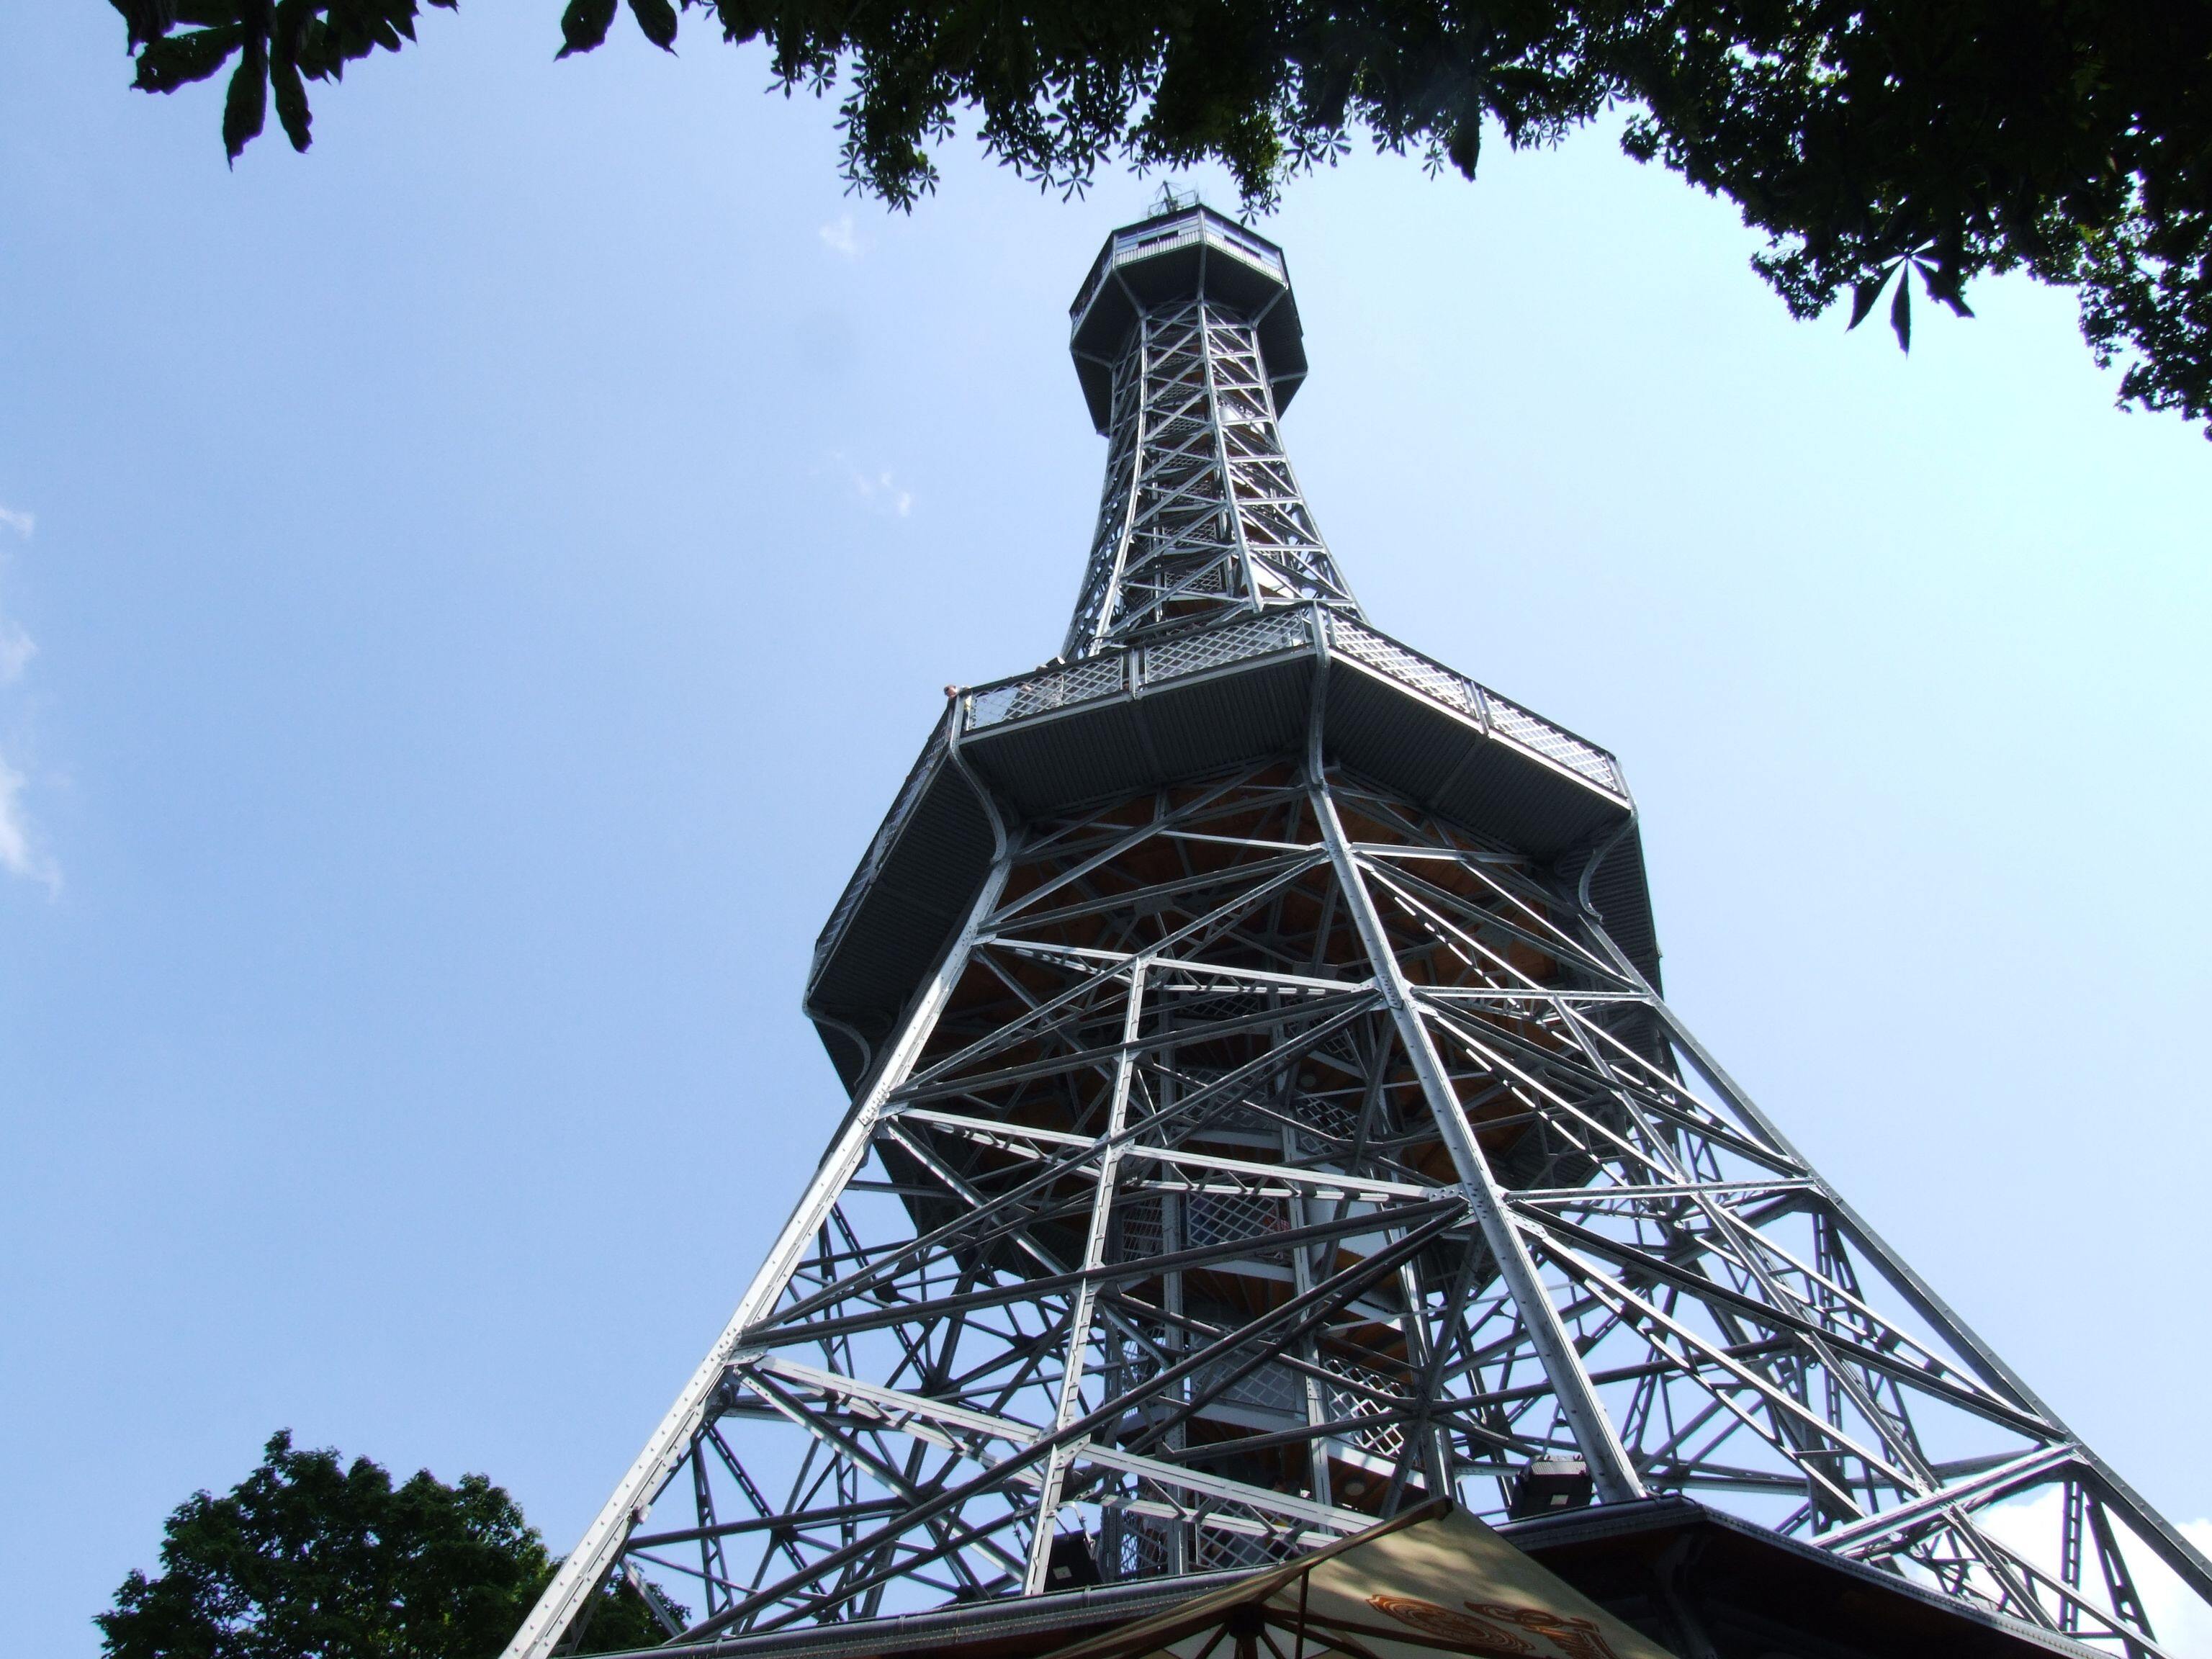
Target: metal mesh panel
{"x":1224,"y":1217}
{"x":1504,"y":718}
{"x":991,"y":705}
{"x":1407,"y":667}
{"x":1284,"y":631}
{"x":1323,"y":1120}
{"x":1269,"y":1388}
{"x":1149,"y":242}
{"x":1524,"y":728}
{"x":1142,"y":1232}
{"x":1094,"y":677}
{"x":1220,"y":1549}
{"x":1251,"y":248}
{"x":1281,"y":630}
{"x":1384,"y":1440}
{"x":1144,"y":1547}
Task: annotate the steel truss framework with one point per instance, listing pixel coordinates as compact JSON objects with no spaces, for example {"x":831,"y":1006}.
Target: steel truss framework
{"x":1265,"y":1154}
{"x":1201,"y":516}
{"x":1268,"y":1155}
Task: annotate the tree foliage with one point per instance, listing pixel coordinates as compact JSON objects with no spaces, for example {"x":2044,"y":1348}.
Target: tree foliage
{"x":311,"y":1559}
{"x":1877,"y":143}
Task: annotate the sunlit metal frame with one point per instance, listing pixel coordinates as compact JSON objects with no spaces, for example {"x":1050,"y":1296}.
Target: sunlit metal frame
{"x":1265,"y":1154}
{"x":1201,"y":516}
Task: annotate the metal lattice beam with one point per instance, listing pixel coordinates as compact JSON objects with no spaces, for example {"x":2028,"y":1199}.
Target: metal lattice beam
{"x":1202,"y":516}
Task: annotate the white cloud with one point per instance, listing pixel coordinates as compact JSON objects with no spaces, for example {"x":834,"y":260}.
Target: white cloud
{"x":876,"y":490}
{"x":19,"y":856}
{"x":19,"y":852}
{"x":883,"y":495}
{"x":2182,"y":1621}
{"x":839,"y":236}
{"x":16,"y":650}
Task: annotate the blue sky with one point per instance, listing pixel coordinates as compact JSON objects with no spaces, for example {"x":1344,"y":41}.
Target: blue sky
{"x":467,"y":595}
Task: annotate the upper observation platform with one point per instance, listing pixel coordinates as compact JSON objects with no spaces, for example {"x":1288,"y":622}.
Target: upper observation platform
{"x":1191,"y":252}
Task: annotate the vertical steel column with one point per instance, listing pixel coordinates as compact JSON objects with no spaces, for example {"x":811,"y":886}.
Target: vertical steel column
{"x":1302,"y":1281}
{"x":1614,"y":1476}
{"x":1086,"y":1299}
{"x":2070,"y":1556}
{"x":1230,"y":504}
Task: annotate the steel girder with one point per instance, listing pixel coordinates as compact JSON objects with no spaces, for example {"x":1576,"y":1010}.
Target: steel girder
{"x":1201,"y":516}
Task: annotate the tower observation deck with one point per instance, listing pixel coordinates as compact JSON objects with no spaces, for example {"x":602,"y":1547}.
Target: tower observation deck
{"x":1264,"y":1118}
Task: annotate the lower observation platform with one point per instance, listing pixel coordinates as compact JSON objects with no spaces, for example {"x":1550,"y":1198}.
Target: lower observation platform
{"x":1184,"y":707}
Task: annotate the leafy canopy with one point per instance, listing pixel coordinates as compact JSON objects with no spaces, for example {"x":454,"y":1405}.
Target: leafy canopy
{"x":1874,"y":142}
{"x":310,"y":1558}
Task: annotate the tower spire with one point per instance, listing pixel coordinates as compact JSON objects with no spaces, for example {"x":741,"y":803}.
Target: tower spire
{"x":1186,"y":337}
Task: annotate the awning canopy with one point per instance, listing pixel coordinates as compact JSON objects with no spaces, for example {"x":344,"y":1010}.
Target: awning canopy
{"x":1432,"y":1581}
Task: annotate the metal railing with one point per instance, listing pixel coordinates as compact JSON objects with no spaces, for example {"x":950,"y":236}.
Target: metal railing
{"x":1040,"y":694}
{"x":1272,"y":633}
{"x":1408,"y":667}
{"x":1115,"y":673}
{"x":1501,"y":717}
{"x":1240,"y":642}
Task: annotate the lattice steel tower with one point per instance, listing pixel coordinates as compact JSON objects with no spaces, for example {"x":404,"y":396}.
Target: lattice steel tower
{"x":1264,"y":1114}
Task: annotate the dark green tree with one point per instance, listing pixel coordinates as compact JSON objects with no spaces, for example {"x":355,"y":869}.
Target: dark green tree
{"x":1876,"y":143}
{"x":309,"y":1557}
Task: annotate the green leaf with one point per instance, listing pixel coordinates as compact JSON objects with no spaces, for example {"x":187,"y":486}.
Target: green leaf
{"x":291,"y":102}
{"x":658,"y":19}
{"x":144,"y":19}
{"x":245,"y":105}
{"x":585,"y":25}
{"x":1943,"y":287}
{"x":178,"y":60}
{"x":1900,"y":312}
{"x":311,"y":1554}
{"x":1464,"y":145}
{"x":1865,"y":293}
